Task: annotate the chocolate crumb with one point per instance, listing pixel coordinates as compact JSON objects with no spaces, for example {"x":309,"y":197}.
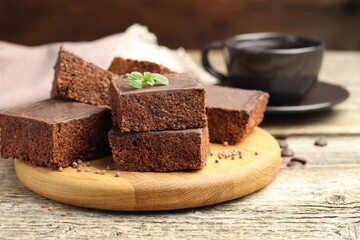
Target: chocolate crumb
{"x":60,"y":169}
{"x":225,"y":143}
{"x":298,"y":159}
{"x":211,"y":153}
{"x":256,"y":153}
{"x":44,"y":205}
{"x":117,"y":174}
{"x":282,"y":144}
{"x":321,"y":142}
{"x":287,"y":153}
{"x":63,"y":214}
{"x":216,"y":160}
{"x":231,"y":154}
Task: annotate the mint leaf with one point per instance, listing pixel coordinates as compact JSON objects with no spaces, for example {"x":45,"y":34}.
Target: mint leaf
{"x":135,"y":79}
{"x":160,"y":79}
{"x":149,"y":79}
{"x":136,"y":83}
{"x":135,"y":76}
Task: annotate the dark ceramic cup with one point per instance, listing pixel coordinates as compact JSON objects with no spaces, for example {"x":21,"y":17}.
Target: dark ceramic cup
{"x":286,"y":66}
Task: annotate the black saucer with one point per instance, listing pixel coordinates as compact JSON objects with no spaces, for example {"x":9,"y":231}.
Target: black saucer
{"x":322,"y":96}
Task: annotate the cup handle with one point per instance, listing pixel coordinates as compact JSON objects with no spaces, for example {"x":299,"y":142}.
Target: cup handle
{"x":205,"y":60}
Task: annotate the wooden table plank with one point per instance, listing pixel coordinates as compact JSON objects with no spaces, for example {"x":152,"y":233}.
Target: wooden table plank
{"x":318,"y":201}
{"x":310,"y":202}
{"x":341,"y":67}
{"x":309,"y":209}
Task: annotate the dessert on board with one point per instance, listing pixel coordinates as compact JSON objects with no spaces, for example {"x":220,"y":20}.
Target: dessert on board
{"x":79,"y":80}
{"x":53,"y":133}
{"x":121,"y":66}
{"x":233,"y":112}
{"x":160,"y":151}
{"x":161,"y":120}
{"x":178,"y":105}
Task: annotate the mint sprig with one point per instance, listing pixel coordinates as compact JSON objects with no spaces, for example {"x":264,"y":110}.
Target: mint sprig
{"x":160,"y":79}
{"x":149,"y":78}
{"x":137,"y":80}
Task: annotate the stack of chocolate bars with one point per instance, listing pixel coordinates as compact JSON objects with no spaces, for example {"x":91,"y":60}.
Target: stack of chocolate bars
{"x":155,"y":129}
{"x":159,"y":128}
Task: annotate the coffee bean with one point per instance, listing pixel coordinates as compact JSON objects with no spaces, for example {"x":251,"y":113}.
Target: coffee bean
{"x":282,"y":143}
{"x":320,"y":142}
{"x":294,"y":164}
{"x":298,"y":159}
{"x":281,"y":136}
{"x":287,"y":153}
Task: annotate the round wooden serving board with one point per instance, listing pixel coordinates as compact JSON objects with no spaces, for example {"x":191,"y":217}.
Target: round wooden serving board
{"x":132,"y":191}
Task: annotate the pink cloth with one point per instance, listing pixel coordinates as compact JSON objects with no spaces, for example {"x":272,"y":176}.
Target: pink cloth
{"x":26,"y":73}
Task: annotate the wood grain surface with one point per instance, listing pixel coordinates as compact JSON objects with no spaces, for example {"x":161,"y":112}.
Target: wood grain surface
{"x":217,"y":182}
{"x":317,"y":201}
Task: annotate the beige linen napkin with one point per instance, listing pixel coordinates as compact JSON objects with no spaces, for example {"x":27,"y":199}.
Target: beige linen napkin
{"x":26,"y":73}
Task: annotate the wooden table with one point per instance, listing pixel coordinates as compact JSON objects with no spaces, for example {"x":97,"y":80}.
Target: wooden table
{"x":318,"y":201}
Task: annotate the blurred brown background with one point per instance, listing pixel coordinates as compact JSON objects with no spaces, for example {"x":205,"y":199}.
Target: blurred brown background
{"x":187,"y":23}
